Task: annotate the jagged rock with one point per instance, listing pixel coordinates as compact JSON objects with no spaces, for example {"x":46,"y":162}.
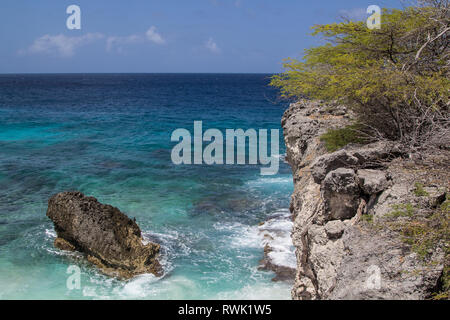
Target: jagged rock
{"x":374,"y":154}
{"x":340,"y":192}
{"x":324,"y":259}
{"x":367,"y":156}
{"x":303,"y":123}
{"x":378,"y":266}
{"x":64,"y":245}
{"x":110,"y":240}
{"x":334,"y":229}
{"x":329,"y":162}
{"x":336,"y":249}
{"x":372,"y":181}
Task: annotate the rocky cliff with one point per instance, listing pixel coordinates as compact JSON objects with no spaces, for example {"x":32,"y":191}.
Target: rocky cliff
{"x":369,"y":221}
{"x":110,"y":240}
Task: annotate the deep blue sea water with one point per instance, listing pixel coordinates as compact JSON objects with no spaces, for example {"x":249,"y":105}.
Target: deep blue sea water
{"x":109,"y":137}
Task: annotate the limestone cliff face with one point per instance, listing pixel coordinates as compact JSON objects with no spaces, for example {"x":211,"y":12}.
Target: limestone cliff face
{"x":339,"y":255}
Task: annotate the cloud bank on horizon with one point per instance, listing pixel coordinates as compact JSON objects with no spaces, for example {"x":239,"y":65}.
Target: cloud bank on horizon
{"x":65,"y":46}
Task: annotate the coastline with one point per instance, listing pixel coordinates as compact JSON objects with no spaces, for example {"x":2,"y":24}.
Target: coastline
{"x":345,"y":205}
{"x":113,"y":143}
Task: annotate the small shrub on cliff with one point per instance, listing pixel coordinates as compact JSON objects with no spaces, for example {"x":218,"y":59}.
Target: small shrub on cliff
{"x":339,"y":138}
{"x":396,"y":79}
{"x":424,"y":235}
{"x":423,"y":232}
{"x":367,"y":218}
{"x":424,"y":228}
{"x":402,"y":210}
{"x":419,"y":191}
{"x":444,"y":292}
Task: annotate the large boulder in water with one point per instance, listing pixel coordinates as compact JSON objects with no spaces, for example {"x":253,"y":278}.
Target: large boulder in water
{"x":110,"y":240}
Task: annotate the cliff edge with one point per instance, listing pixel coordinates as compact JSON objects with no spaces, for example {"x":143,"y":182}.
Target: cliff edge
{"x":370,"y":222}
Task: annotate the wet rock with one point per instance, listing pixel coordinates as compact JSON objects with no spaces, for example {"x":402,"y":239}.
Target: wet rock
{"x":110,"y":240}
{"x":62,"y":244}
{"x":206,"y":207}
{"x":279,"y":254}
{"x":282,"y":272}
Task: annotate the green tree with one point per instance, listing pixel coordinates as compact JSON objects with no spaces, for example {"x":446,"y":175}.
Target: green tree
{"x":396,"y":78}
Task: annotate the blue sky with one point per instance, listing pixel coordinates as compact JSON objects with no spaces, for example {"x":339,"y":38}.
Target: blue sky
{"x":164,"y":35}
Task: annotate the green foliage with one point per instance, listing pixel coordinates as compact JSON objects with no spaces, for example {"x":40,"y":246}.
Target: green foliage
{"x":444,"y":293}
{"x":418,"y":236}
{"x":339,"y":138}
{"x":424,"y":234}
{"x":445,"y":206}
{"x":402,"y":210}
{"x":419,"y":191}
{"x":375,"y":72}
{"x":367,"y":218}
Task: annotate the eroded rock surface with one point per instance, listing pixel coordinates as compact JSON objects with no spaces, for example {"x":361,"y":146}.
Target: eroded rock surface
{"x":110,"y":240}
{"x":340,"y":193}
{"x":339,"y":256}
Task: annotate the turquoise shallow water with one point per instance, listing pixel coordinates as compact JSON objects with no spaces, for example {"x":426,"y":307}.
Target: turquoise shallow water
{"x":109,"y":136}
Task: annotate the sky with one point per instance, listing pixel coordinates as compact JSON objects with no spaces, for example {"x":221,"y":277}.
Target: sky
{"x":159,"y":36}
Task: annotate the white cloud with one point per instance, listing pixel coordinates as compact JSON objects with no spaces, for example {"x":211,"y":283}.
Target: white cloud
{"x":211,"y":45}
{"x":117,"y":43}
{"x":60,"y":44}
{"x":155,"y":37}
{"x":66,"y":46}
{"x":355,"y":14}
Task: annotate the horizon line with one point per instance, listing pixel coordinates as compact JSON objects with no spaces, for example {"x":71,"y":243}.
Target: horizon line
{"x":80,"y":73}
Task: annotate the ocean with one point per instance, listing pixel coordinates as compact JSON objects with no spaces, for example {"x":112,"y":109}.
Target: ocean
{"x":108,"y":136}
